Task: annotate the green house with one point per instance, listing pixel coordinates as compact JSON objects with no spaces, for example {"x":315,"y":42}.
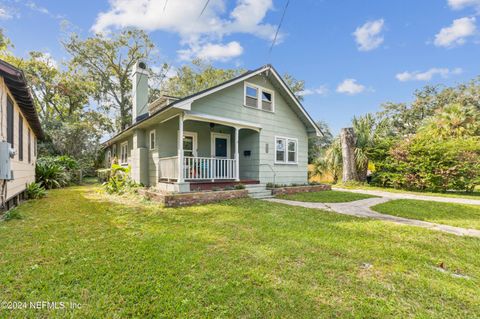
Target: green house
{"x":250,"y":129}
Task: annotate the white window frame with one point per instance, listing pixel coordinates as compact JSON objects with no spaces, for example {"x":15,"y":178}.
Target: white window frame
{"x":122,"y":145}
{"x":286,"y":141}
{"x":194,"y":137}
{"x":109,"y":158}
{"x":114,"y":151}
{"x":214,"y":135}
{"x":150,"y":140}
{"x":260,"y":89}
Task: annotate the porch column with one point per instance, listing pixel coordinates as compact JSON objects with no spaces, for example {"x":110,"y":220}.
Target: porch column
{"x":180,"y":149}
{"x":237,"y":157}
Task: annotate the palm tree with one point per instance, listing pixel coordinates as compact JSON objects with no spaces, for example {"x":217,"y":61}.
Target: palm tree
{"x":364,"y":127}
{"x":330,"y":162}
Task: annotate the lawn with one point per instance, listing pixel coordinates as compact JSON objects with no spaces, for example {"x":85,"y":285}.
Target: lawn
{"x":326,"y":197}
{"x":452,"y":194}
{"x":124,"y":257}
{"x":467,"y":216}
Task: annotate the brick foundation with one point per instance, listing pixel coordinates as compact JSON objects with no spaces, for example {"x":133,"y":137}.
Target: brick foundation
{"x":300,"y":189}
{"x":194,"y":198}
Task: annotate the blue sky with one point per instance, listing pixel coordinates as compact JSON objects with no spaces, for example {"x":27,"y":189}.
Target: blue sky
{"x":353,"y":55}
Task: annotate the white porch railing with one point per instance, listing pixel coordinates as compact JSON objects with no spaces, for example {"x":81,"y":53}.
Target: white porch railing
{"x":198,"y":168}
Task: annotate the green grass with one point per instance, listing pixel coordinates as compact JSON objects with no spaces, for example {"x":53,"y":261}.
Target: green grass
{"x":452,"y":194}
{"x":326,"y":197}
{"x":467,"y":216}
{"x":124,"y":257}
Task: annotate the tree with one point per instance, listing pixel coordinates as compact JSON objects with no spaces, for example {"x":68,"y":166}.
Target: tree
{"x":318,"y":144}
{"x":330,"y":161}
{"x":364,"y":128}
{"x":296,"y":86}
{"x":348,"y":140}
{"x":108,"y":61}
{"x":200,"y":76}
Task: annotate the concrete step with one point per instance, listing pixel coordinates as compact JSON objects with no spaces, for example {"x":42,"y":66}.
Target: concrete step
{"x":258,"y":190}
{"x":261,"y":197}
{"x":254,"y":186}
{"x":261,"y":194}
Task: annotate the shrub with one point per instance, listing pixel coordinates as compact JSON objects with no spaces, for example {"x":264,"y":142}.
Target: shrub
{"x":51,"y":175}
{"x":239,"y":186}
{"x":119,"y":180}
{"x":103,"y":174}
{"x":66,"y":164}
{"x":35,"y":190}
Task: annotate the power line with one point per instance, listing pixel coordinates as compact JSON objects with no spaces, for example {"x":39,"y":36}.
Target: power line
{"x":279,"y":26}
{"x":204,"y":7}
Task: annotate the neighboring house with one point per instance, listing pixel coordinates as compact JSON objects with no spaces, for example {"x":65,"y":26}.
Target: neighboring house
{"x":251,"y":129}
{"x":20,"y":127}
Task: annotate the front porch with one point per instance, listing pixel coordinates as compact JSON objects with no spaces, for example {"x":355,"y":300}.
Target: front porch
{"x":208,"y":153}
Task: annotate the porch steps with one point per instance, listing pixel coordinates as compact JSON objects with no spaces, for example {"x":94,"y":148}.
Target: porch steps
{"x":258,"y":191}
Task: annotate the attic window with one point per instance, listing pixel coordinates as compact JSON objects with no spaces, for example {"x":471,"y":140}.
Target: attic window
{"x":251,"y":96}
{"x":259,"y":97}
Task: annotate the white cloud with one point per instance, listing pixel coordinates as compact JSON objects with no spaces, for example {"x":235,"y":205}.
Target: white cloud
{"x":457,"y":33}
{"x":183,"y":18}
{"x":321,"y":90}
{"x":5,"y":14}
{"x":212,"y":51}
{"x":350,"y":87}
{"x":427,"y":75}
{"x":460,"y":4}
{"x":368,"y":36}
{"x":33,"y":6}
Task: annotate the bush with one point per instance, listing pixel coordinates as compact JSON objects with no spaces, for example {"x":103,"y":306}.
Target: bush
{"x":35,"y":190}
{"x":51,"y":175}
{"x":427,"y":164}
{"x":103,"y":174}
{"x":59,"y":170}
{"x":119,"y":180}
{"x":239,"y":186}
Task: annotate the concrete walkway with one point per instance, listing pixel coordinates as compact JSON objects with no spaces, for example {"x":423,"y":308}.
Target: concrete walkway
{"x":392,"y":195}
{"x":361,"y":208}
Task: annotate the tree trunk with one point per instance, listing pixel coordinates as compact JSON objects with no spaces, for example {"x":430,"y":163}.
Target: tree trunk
{"x":347,"y":138}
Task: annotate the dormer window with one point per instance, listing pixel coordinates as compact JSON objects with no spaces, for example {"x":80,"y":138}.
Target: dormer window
{"x":259,"y":97}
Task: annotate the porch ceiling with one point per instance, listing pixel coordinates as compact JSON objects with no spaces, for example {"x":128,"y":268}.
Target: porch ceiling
{"x":189,"y":115}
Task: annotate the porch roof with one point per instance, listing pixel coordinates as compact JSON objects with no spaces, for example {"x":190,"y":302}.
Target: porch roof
{"x":190,"y":115}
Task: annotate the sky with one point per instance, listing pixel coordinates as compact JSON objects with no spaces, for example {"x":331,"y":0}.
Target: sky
{"x":353,"y":55}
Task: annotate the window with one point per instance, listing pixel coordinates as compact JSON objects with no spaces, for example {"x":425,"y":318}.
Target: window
{"x":35,"y":146}
{"x":10,"y":122}
{"x":152,"y":139}
{"x":109,"y":158}
{"x":20,"y":138}
{"x":189,"y":143}
{"x":280,"y":154}
{"x":114,"y":150}
{"x":259,"y":98}
{"x":29,"y":146}
{"x":124,"y":153}
{"x":251,"y":96}
{"x":266,"y":101}
{"x":286,"y":150}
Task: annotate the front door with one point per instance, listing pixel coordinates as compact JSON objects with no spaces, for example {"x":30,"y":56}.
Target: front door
{"x":220,"y":145}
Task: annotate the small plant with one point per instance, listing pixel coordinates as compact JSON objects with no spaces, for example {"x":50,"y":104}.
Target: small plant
{"x":12,"y":214}
{"x":103,"y":174}
{"x":270,"y":185}
{"x":35,"y":190}
{"x":119,"y":181}
{"x":229,"y":188}
{"x":239,"y":186}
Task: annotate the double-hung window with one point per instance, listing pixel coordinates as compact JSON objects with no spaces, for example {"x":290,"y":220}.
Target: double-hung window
{"x":259,"y":98}
{"x":124,"y":153}
{"x":29,"y":146}
{"x":285,"y":150}
{"x":114,"y":150}
{"x":152,"y":139}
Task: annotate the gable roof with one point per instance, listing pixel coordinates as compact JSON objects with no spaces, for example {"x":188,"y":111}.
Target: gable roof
{"x":18,"y":87}
{"x":191,"y":98}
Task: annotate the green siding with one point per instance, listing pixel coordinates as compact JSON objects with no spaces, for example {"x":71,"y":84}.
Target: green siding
{"x":283,"y":122}
{"x":228,"y":103}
